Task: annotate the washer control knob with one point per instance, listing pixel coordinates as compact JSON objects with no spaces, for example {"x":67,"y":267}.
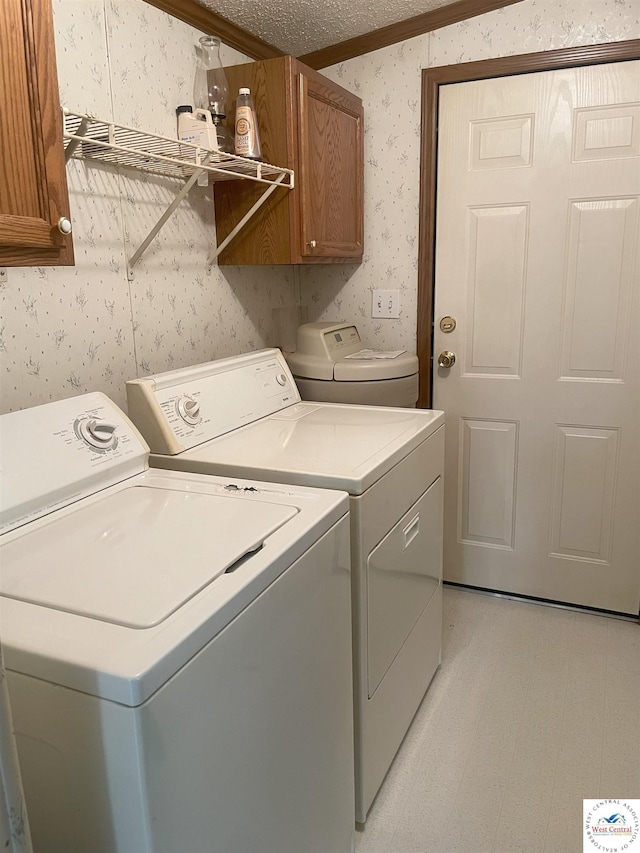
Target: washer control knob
{"x":189,"y":410}
{"x":281,"y":379}
{"x":101,"y":434}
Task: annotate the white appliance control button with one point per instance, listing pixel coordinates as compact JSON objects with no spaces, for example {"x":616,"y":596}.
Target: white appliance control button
{"x":189,"y":410}
{"x":281,"y":379}
{"x":101,"y":434}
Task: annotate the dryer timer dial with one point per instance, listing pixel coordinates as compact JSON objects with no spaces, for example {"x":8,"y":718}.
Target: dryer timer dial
{"x":189,"y":410}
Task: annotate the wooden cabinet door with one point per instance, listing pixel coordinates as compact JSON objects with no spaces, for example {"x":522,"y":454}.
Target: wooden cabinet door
{"x":330,"y":171}
{"x":33,"y":185}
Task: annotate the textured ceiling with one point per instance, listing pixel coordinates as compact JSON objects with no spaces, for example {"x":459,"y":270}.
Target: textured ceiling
{"x":302,"y":26}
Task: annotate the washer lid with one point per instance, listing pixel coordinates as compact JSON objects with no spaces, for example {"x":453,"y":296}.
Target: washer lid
{"x":137,"y":555}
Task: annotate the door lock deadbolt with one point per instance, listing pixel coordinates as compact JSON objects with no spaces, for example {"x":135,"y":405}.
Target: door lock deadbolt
{"x":447,"y":324}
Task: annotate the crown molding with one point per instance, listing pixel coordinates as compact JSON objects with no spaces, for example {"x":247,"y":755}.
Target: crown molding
{"x":204,"y":19}
{"x":209,"y":22}
{"x":403,"y":30}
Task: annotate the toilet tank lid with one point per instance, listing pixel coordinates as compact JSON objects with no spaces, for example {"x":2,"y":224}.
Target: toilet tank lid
{"x":329,"y":351}
{"x":370,"y":370}
{"x":351,"y":370}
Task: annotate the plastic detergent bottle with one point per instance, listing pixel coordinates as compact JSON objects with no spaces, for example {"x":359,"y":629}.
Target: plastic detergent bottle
{"x":197,"y":128}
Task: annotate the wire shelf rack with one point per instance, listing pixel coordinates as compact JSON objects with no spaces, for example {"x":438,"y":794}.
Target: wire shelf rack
{"x":89,"y":138}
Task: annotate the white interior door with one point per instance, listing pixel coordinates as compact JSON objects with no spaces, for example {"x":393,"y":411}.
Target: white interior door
{"x":537,"y":259}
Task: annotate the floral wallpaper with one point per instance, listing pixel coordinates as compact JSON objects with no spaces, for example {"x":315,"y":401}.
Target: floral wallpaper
{"x":74,"y":329}
{"x":389,"y":83}
{"x":66,"y":330}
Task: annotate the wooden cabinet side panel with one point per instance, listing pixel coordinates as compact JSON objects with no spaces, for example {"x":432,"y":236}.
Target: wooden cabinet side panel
{"x":265,"y":238}
{"x":36,"y":196}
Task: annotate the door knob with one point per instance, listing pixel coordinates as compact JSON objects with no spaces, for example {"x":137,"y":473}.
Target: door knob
{"x":447,"y":359}
{"x":312,"y":243}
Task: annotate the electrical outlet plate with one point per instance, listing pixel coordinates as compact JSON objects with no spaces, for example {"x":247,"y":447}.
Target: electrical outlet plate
{"x":385,"y":304}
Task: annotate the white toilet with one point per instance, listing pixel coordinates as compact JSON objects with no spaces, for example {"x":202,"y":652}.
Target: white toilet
{"x":330,"y":365}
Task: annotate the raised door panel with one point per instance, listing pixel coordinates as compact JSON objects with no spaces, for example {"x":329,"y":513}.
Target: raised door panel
{"x":599,"y":281}
{"x":33,"y":186}
{"x":488,"y":478}
{"x":496,"y":289}
{"x":583,"y":492}
{"x":330,"y":172}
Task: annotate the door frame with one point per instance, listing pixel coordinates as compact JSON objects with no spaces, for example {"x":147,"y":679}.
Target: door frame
{"x":432,"y":79}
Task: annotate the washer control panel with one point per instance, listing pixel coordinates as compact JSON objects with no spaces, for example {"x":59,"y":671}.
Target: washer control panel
{"x":181,"y":409}
{"x":54,"y":454}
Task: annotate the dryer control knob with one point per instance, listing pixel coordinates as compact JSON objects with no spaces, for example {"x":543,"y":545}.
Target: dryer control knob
{"x":281,"y":379}
{"x":189,"y":410}
{"x":101,"y":434}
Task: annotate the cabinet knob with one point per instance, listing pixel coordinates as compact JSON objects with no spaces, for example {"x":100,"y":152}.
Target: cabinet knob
{"x":64,"y":225}
{"x":312,"y":243}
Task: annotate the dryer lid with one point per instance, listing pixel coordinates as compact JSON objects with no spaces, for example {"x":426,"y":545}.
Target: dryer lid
{"x":136,"y":555}
{"x":326,"y":445}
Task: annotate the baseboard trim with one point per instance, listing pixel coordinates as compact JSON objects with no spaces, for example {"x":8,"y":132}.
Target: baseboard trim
{"x":546,"y":602}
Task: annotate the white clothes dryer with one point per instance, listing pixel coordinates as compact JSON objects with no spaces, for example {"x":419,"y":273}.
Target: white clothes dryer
{"x":243,"y":416}
{"x":177,"y":646}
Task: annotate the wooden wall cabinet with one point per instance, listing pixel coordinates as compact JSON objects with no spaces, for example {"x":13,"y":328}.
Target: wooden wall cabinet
{"x":315,"y":127}
{"x":33,"y":182}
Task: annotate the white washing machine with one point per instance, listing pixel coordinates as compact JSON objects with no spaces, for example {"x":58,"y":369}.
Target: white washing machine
{"x":243,"y":416}
{"x":15,"y":835}
{"x":331,"y":365}
{"x":177,"y":646}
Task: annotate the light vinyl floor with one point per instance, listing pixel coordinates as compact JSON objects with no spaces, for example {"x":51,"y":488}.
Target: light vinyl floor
{"x":533,"y":709}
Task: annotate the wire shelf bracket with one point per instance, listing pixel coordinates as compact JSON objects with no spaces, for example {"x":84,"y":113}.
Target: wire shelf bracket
{"x":89,"y":138}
